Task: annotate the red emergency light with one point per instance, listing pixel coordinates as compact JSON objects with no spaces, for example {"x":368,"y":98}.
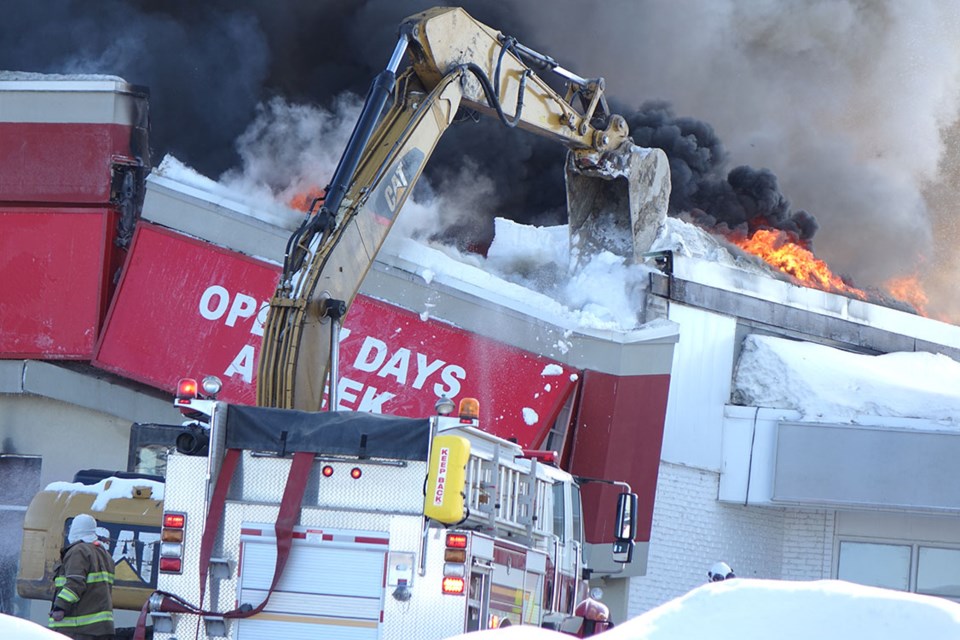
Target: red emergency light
{"x":327,"y":471}
{"x":456,"y":541}
{"x":186,"y":389}
{"x":171,"y":565}
{"x":356,"y":472}
{"x":541,"y":455}
{"x":174,"y":520}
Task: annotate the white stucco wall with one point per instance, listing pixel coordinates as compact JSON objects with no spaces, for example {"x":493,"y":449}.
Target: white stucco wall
{"x":699,"y":387}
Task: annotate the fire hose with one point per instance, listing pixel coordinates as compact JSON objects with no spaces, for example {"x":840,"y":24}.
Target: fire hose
{"x":163,"y":601}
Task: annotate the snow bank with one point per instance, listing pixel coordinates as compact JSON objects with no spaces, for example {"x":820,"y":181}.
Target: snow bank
{"x":745,"y":609}
{"x":13,"y":628}
{"x":825,"y":610}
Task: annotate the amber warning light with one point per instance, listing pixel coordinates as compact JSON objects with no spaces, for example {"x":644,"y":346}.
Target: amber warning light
{"x":453,"y":585}
{"x":469,"y":409}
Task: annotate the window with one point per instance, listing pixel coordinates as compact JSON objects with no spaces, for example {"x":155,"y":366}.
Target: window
{"x":577,"y":514}
{"x":558,"y":520}
{"x":875,"y":565}
{"x":938,"y":572}
{"x":916,"y":568}
{"x":148,"y":447}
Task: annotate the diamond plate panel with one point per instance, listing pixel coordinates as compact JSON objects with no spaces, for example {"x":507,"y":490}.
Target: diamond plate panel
{"x":188,"y":498}
{"x":262,"y":479}
{"x":385,"y":498}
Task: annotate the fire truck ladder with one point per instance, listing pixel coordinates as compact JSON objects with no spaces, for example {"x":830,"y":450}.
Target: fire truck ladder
{"x":505,"y":496}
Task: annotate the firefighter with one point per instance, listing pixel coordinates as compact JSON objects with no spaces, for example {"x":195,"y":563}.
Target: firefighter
{"x":719,"y":572}
{"x":83,"y":585}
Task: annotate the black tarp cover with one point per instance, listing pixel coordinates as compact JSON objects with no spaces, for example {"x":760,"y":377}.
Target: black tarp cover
{"x":329,"y":432}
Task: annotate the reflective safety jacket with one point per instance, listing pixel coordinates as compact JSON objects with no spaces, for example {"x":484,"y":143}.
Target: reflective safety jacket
{"x":83,"y":590}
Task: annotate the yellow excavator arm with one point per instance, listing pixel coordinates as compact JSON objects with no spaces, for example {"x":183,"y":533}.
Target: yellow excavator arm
{"x":455,"y":61}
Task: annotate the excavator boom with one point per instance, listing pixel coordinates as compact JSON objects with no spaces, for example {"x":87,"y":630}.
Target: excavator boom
{"x":455,"y":61}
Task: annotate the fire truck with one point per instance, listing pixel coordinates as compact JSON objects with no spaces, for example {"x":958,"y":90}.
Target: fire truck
{"x":345,"y":524}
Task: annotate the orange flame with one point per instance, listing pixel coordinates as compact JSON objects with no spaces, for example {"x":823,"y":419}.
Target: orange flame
{"x":908,"y":289}
{"x":778,"y":250}
{"x":302,"y":200}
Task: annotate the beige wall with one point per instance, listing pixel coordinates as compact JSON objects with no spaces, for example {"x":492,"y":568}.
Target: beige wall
{"x":67,"y":437}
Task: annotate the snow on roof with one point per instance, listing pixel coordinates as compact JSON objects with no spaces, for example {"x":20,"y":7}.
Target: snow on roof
{"x":255,"y":204}
{"x":821,"y":381}
{"x":746,"y":609}
{"x":687,"y":240}
{"x":108,"y":489}
{"x":56,"y":77}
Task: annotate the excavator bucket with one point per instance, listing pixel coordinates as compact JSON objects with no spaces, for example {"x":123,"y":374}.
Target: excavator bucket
{"x":618,"y":204}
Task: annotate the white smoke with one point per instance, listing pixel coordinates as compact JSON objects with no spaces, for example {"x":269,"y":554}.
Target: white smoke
{"x":290,"y":150}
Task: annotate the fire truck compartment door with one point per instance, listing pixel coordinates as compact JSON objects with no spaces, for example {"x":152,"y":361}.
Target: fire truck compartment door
{"x":331,"y":587}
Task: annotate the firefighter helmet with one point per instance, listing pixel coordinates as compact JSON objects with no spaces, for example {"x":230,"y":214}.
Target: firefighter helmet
{"x":720,"y":571}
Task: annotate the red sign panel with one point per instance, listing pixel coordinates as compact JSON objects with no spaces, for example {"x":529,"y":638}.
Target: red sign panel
{"x":393,"y":361}
{"x":54,"y":279}
{"x":186,"y":308}
{"x":61,"y":162}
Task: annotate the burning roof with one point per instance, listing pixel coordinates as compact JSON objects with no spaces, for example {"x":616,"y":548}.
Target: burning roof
{"x":852,"y":105}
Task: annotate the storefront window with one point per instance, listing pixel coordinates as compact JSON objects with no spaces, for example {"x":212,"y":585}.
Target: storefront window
{"x":938,"y":572}
{"x":875,"y":565}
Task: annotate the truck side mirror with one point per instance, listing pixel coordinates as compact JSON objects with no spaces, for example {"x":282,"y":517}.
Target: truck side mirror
{"x":626,"y":528}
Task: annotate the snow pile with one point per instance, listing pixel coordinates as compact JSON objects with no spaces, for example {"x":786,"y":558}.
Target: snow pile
{"x":108,"y":489}
{"x":20,"y":629}
{"x":826,"y":610}
{"x":744,"y":609}
{"x":818,"y":381}
{"x":605,"y":295}
{"x":687,"y":240}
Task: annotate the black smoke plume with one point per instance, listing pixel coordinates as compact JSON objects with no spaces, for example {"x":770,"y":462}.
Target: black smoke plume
{"x":208,"y":65}
{"x":743,"y":200}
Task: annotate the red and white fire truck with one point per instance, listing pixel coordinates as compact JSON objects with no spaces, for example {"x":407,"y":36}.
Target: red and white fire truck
{"x":359,"y":525}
